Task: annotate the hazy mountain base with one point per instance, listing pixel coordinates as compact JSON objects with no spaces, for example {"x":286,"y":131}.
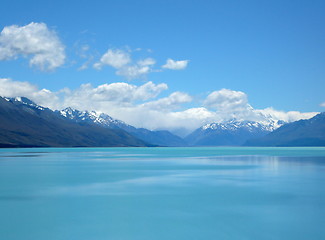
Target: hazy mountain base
{"x":310,"y":132}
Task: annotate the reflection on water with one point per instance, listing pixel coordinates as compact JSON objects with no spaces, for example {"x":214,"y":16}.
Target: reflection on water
{"x":20,"y":156}
{"x":162,"y":193}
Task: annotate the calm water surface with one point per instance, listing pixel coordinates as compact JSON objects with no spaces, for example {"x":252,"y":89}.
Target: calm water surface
{"x":162,"y":193}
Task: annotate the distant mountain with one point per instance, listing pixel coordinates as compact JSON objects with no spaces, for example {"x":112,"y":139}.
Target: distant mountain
{"x":310,"y":132}
{"x":161,"y":138}
{"x":231,"y":133}
{"x":26,"y":124}
{"x":101,"y":119}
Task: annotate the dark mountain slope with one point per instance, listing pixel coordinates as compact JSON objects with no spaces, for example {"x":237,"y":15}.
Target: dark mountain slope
{"x":161,"y":138}
{"x":25,"y":124}
{"x":309,"y":132}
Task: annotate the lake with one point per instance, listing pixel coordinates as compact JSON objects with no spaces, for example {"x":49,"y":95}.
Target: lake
{"x":162,"y":193}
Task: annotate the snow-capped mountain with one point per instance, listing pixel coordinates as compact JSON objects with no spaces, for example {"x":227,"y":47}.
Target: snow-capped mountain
{"x":231,"y":133}
{"x":310,"y":132}
{"x":25,"y":101}
{"x":23,"y":123}
{"x":234,"y":125}
{"x":161,"y":138}
{"x":26,"y":124}
{"x":93,"y":117}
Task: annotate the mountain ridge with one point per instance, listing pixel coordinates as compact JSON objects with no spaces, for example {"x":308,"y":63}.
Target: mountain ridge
{"x":230,"y":133}
{"x":161,"y":138}
{"x":26,"y":124}
{"x":309,"y":132}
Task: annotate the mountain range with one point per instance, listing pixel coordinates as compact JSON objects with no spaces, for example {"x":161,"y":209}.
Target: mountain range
{"x":26,"y":124}
{"x":310,"y":132}
{"x":230,"y":133}
{"x":161,"y":138}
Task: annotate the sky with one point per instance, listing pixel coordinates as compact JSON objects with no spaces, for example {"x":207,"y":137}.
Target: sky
{"x":167,"y":64}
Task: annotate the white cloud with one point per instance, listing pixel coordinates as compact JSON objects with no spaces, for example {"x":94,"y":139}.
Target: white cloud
{"x":290,"y":116}
{"x":172,"y":102}
{"x":153,"y":119}
{"x":322,"y":104}
{"x":44,"y":97}
{"x":112,"y":95}
{"x":175,"y":65}
{"x":35,"y":41}
{"x":225,"y":100}
{"x":115,"y":58}
{"x":133,"y":72}
{"x":84,"y":66}
{"x":138,"y":70}
{"x":122,"y":62}
{"x":11,"y":88}
{"x":147,"y":62}
{"x":149,"y":90}
{"x":231,"y":104}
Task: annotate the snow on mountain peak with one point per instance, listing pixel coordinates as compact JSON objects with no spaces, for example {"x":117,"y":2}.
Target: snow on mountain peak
{"x":233,"y":124}
{"x":91,"y":116}
{"x":25,"y":101}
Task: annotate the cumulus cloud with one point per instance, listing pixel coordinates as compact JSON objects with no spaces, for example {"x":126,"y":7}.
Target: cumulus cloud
{"x":175,"y":65}
{"x":226,"y":99}
{"x":230,"y":104}
{"x":172,"y":102}
{"x":115,"y":94}
{"x":35,"y":41}
{"x":322,"y":104}
{"x":10,"y":88}
{"x":44,"y":97}
{"x":122,"y":62}
{"x":141,"y":105}
{"x":115,"y":58}
{"x":137,"y":70}
{"x":133,"y":72}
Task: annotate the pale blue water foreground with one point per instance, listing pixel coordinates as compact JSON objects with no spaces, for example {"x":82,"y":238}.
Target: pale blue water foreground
{"x":162,"y":193}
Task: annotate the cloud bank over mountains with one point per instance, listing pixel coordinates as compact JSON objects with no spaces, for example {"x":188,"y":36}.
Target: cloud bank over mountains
{"x":141,"y":106}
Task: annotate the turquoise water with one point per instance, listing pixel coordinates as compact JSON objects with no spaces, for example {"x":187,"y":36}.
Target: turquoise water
{"x":162,"y":193}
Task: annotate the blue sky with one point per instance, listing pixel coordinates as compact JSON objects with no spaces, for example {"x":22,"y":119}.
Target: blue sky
{"x":273,"y":51}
